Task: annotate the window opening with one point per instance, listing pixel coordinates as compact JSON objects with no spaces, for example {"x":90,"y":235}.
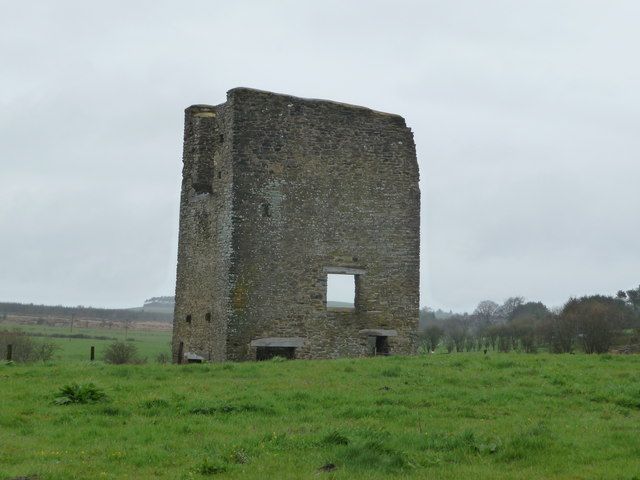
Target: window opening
{"x":341,"y":290}
{"x":202,"y":187}
{"x":207,"y":317}
{"x":188,"y":319}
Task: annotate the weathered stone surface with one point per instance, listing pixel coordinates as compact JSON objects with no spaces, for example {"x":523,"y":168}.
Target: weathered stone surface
{"x":294,"y":342}
{"x":278,"y":192}
{"x":378,"y":332}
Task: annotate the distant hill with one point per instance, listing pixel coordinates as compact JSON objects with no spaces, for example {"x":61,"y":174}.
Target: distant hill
{"x":159,"y":305}
{"x":166,"y":305}
{"x":333,"y":304}
{"x":85,"y":313}
{"x":158,"y":309}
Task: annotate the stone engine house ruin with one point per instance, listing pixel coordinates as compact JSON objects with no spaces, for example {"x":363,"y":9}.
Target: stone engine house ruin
{"x":278,"y":194}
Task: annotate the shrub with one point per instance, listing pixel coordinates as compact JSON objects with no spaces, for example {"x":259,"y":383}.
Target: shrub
{"x":597,"y":319}
{"x":163,"y":358}
{"x":44,"y":351}
{"x":431,"y":337}
{"x":25,"y":348}
{"x":79,"y":393}
{"x":119,"y":353}
{"x":449,"y":345}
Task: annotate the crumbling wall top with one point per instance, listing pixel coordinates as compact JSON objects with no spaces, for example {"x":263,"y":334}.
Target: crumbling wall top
{"x":311,"y":101}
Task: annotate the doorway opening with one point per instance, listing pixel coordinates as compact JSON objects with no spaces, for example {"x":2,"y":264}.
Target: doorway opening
{"x":267,"y":353}
{"x":382,"y":346}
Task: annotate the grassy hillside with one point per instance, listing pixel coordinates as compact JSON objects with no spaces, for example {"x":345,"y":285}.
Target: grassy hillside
{"x":500,"y":416}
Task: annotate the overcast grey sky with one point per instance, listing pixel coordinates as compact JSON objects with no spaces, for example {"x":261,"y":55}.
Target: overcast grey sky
{"x":525,"y":114}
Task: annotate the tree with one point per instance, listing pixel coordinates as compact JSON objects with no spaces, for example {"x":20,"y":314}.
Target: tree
{"x":470,"y":343}
{"x":597,"y":318}
{"x":632,"y":298}
{"x":506,"y":338}
{"x":560,"y":332}
{"x":449,"y":345}
{"x":491,"y":334}
{"x":457,"y":328}
{"x":533,"y":310}
{"x":509,"y":306}
{"x":458,"y":336}
{"x":426,"y":317}
{"x":524,"y":328}
{"x":432,"y":336}
{"x":485,"y":312}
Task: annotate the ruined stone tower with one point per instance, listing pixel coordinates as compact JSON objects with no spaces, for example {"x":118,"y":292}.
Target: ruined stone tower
{"x":279,"y":192}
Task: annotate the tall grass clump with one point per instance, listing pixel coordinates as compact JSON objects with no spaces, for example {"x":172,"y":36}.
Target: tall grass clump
{"x":374,"y":454}
{"x":527,"y":443}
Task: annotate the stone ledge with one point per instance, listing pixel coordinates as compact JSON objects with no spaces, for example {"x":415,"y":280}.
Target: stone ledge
{"x":375,"y":332}
{"x":341,"y":309}
{"x":295,"y":342}
{"x":345,"y":270}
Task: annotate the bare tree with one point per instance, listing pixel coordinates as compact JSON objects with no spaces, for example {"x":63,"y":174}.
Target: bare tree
{"x":507,"y":309}
{"x":457,"y":328}
{"x":485,"y":312}
{"x":563,"y":333}
{"x":525,"y":330}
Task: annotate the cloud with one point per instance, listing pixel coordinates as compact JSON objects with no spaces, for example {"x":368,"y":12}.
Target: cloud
{"x":524,"y":116}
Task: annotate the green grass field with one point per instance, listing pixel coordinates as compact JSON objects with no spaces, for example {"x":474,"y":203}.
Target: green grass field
{"x":500,"y":416}
{"x":148,"y":343}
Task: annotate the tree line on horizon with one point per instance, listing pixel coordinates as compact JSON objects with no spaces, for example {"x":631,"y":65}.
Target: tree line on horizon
{"x":593,"y":324}
{"x":80,"y":311}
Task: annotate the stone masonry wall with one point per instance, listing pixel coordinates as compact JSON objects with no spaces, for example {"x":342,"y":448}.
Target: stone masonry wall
{"x":340,"y":184}
{"x":204,"y":244}
{"x":312,"y":186}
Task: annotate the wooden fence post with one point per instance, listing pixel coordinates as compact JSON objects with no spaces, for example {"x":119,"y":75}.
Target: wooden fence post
{"x":93,"y":353}
{"x":9,"y":352}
